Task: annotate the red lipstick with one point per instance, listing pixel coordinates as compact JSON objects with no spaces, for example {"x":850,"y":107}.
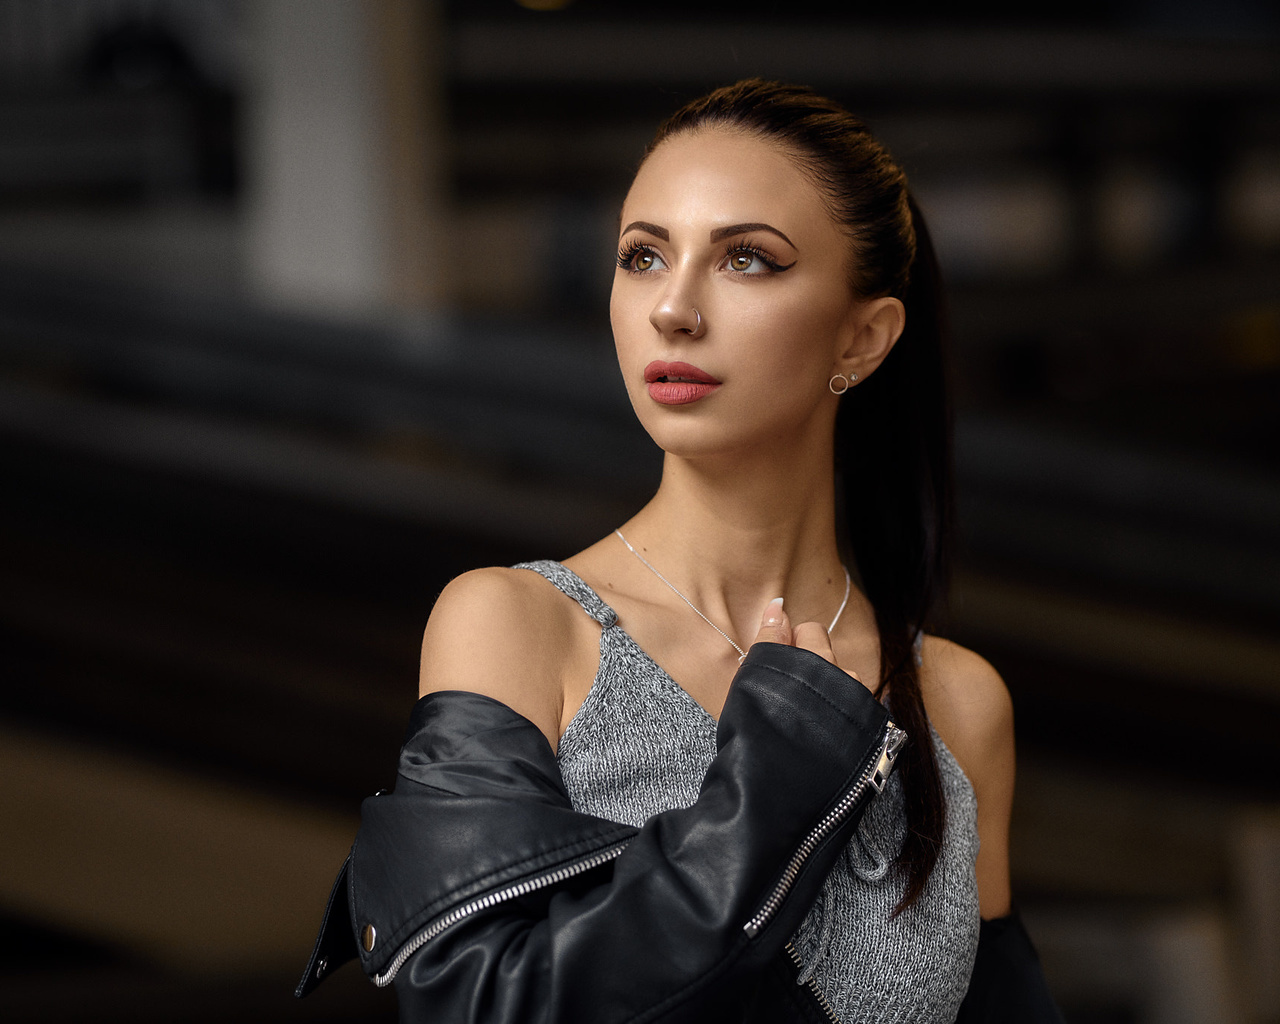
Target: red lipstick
{"x":677,"y":383}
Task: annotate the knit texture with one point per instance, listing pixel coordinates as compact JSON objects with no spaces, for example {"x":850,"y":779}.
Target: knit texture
{"x":640,"y":744}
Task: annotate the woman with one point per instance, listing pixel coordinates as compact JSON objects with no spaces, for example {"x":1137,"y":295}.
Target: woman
{"x":577,"y":836}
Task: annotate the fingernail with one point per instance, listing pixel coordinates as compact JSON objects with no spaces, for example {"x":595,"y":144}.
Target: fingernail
{"x":773,"y":613}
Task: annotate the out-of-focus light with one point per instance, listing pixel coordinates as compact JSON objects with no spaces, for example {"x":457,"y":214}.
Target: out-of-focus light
{"x":1140,"y":213}
{"x":544,"y":5}
{"x":1017,"y":224}
{"x":1252,"y":338}
{"x":1253,"y":200}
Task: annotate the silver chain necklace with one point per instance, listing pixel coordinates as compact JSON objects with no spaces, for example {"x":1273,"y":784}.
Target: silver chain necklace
{"x":741,"y":653}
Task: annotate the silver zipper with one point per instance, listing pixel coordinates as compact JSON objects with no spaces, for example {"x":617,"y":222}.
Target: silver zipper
{"x":492,"y":900}
{"x":875,"y":774}
{"x":813,"y":985}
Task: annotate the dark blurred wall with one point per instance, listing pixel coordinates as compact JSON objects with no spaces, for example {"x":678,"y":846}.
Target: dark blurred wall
{"x":303,"y":312}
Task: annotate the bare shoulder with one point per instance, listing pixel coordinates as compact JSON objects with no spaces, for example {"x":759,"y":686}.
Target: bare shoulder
{"x":505,"y":633}
{"x":970,"y":707}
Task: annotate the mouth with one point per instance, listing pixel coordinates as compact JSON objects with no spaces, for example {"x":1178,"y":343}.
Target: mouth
{"x":659,"y":372}
{"x":677,"y":383}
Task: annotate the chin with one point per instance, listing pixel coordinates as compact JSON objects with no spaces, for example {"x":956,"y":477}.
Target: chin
{"x":693,"y":440}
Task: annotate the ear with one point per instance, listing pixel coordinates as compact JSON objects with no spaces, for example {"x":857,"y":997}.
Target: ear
{"x":874,"y":327}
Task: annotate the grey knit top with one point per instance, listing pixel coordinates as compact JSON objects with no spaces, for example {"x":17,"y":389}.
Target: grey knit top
{"x":640,"y":744}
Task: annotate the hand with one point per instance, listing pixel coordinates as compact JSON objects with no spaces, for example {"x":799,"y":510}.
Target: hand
{"x":776,"y":628}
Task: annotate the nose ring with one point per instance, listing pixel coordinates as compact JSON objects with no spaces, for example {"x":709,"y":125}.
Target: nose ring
{"x":697,"y":328}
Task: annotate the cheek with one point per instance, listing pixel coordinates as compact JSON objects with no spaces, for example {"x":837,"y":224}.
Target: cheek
{"x":631,"y":333}
{"x":623,"y":322}
{"x":614,"y":306}
{"x":627,"y":309}
{"x":798,"y":338}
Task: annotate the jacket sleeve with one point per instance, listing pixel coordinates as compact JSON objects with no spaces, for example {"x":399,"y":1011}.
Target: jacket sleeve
{"x":688,"y":915}
{"x":1007,"y":985}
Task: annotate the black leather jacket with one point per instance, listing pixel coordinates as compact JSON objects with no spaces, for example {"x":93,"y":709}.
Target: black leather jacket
{"x":483,"y":896}
{"x":478,"y":890}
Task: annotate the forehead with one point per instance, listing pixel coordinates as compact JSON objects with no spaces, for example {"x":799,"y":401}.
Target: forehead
{"x":718,"y":176}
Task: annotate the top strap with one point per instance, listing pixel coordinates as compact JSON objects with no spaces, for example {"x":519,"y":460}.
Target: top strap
{"x":571,"y":584}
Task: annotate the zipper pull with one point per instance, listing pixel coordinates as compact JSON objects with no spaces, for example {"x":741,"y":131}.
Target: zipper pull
{"x":894,"y":740}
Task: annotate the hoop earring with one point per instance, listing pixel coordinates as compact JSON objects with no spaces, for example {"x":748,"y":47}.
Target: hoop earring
{"x":848,"y":382}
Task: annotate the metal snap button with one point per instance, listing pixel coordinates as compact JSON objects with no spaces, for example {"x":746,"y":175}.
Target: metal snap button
{"x":368,"y":936}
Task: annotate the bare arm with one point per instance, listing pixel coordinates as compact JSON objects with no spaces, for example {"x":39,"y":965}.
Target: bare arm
{"x":969,"y":705}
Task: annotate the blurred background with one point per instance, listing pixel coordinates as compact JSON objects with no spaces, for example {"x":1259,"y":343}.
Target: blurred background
{"x":303,"y":310}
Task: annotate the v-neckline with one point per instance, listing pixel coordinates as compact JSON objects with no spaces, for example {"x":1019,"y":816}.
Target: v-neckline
{"x":617,"y":624}
{"x":665,"y":675}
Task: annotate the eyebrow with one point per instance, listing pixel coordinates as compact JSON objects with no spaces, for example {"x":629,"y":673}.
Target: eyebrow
{"x":717,"y":235}
{"x":653,"y":229}
{"x":742,"y":229}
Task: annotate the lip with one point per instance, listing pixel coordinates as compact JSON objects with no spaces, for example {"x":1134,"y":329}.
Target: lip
{"x":678,"y":383}
{"x":675,"y":372}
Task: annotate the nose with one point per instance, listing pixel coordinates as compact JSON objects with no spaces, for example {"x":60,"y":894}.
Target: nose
{"x":674,"y":315}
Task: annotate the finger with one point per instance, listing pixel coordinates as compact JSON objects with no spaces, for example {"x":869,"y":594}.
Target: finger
{"x":775,"y":627}
{"x":813,"y":637}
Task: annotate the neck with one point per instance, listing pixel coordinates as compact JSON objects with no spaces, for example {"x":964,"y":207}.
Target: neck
{"x":731,"y":538}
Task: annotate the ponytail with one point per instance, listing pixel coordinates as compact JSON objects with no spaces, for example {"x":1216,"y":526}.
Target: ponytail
{"x":893,"y":450}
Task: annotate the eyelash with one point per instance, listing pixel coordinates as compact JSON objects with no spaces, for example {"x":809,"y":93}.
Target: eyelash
{"x":627,"y":255}
{"x":753,"y":250}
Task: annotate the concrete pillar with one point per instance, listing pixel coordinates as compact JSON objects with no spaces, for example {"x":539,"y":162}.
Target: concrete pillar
{"x":1188,"y":971}
{"x":343,"y":171}
{"x":1256,"y":857}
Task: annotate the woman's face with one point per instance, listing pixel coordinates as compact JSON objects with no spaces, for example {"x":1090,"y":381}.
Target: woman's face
{"x":728,"y":224}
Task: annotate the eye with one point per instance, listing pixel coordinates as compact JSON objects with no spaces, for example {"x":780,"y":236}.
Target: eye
{"x":748,"y":260}
{"x":639,"y":259}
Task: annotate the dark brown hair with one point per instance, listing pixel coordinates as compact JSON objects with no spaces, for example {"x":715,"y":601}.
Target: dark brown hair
{"x":893,"y":431}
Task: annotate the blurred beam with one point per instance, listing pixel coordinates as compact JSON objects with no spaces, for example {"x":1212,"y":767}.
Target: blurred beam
{"x":1121,"y":639}
{"x":543,"y":514}
{"x":837,"y":56}
{"x":180,"y":870}
{"x":1088,"y":829}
